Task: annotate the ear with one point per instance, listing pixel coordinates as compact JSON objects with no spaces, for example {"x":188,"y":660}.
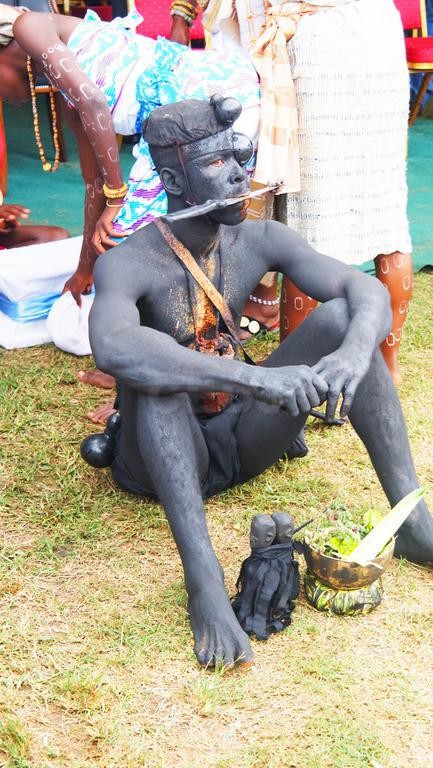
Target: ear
{"x":173,"y":181}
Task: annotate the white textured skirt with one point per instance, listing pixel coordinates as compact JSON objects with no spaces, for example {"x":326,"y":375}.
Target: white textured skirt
{"x":352,"y":87}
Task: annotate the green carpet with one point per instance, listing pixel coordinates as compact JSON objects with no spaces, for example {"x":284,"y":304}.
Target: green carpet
{"x":54,"y":198}
{"x":58,"y":198}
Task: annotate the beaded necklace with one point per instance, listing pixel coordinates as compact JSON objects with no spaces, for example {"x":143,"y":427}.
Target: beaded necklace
{"x":46,"y":166}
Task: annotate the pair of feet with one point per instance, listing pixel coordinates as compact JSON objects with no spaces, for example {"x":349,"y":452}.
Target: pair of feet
{"x":96,"y":378}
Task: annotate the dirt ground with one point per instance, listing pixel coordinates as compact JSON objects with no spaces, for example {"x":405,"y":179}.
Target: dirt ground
{"x":96,"y":661}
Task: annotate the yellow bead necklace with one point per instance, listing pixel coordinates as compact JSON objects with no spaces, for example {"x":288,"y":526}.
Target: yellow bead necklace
{"x":46,"y":166}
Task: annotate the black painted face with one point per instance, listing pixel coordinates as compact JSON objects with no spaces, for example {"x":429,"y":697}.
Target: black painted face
{"x":214,"y":173}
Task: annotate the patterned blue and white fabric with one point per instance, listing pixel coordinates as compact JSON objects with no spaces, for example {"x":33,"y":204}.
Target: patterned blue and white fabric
{"x":138,"y":74}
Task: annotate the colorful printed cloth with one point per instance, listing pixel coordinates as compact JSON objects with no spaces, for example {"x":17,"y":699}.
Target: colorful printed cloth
{"x":138,"y":74}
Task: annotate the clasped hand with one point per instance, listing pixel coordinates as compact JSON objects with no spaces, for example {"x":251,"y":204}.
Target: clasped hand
{"x":295,"y":388}
{"x":342,"y":374}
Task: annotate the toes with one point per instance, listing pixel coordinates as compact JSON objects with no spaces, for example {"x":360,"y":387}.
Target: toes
{"x":101,"y":414}
{"x":223,"y":654}
{"x":216,"y":649}
{"x":201,"y":650}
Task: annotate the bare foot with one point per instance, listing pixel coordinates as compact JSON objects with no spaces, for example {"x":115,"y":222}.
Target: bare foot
{"x":97,"y":378}
{"x":218,"y":637}
{"x":101,"y":414}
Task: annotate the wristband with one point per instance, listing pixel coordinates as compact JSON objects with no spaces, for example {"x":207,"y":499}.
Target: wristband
{"x":113,"y":194}
{"x":183,"y":16}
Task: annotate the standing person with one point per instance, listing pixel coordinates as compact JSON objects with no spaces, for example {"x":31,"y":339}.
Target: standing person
{"x":347,"y":61}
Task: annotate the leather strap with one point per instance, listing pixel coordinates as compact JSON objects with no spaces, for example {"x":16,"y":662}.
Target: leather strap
{"x":187,"y":259}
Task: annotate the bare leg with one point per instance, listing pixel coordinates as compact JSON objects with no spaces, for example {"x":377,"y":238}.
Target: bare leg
{"x":382,"y":429}
{"x":29,"y":234}
{"x":171,"y":454}
{"x":295,"y":307}
{"x":264,"y":305}
{"x":395,"y":271}
{"x":376,"y":416}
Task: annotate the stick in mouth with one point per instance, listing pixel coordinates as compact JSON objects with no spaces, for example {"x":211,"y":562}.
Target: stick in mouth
{"x":212,"y":205}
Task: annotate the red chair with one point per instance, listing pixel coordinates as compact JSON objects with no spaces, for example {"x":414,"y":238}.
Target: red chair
{"x":104,"y":12}
{"x":157,"y":20}
{"x":419,"y":47}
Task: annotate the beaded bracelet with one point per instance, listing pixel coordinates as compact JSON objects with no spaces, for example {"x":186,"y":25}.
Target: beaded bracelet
{"x":265,"y":302}
{"x":181,"y":8}
{"x":113,"y":194}
{"x":183,"y":16}
{"x":187,"y":7}
{"x":185,"y":10}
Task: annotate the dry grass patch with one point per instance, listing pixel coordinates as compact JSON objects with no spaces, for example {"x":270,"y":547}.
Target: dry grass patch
{"x":97,"y":668}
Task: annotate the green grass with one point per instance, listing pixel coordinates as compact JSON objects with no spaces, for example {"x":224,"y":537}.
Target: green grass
{"x":96,"y":661}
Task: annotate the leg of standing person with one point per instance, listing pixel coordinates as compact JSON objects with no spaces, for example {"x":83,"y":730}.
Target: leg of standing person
{"x":395,"y":271}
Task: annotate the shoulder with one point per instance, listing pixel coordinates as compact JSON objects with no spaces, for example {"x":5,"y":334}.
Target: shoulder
{"x":135,"y":259}
{"x":263,"y":235}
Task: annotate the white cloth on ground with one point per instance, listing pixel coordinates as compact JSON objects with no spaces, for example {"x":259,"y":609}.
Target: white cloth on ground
{"x":31,"y":278}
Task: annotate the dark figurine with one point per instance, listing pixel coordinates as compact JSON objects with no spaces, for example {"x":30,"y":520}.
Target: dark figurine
{"x":197,"y":419}
{"x":263,"y":532}
{"x":268,"y":582}
{"x":284,"y":527}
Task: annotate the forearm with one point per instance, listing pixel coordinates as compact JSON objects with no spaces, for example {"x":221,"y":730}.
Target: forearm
{"x":153,"y":363}
{"x":39,"y":35}
{"x":93,"y":207}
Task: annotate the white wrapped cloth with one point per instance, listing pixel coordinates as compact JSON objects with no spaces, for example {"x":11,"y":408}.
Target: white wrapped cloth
{"x":68,"y":324}
{"x":31,"y":279}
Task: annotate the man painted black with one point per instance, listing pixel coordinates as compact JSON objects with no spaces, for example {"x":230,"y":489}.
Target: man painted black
{"x":152,"y":328}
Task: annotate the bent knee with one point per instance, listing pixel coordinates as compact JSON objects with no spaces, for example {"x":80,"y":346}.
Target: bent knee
{"x":333,"y":319}
{"x":49,"y":234}
{"x":57,"y":233}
